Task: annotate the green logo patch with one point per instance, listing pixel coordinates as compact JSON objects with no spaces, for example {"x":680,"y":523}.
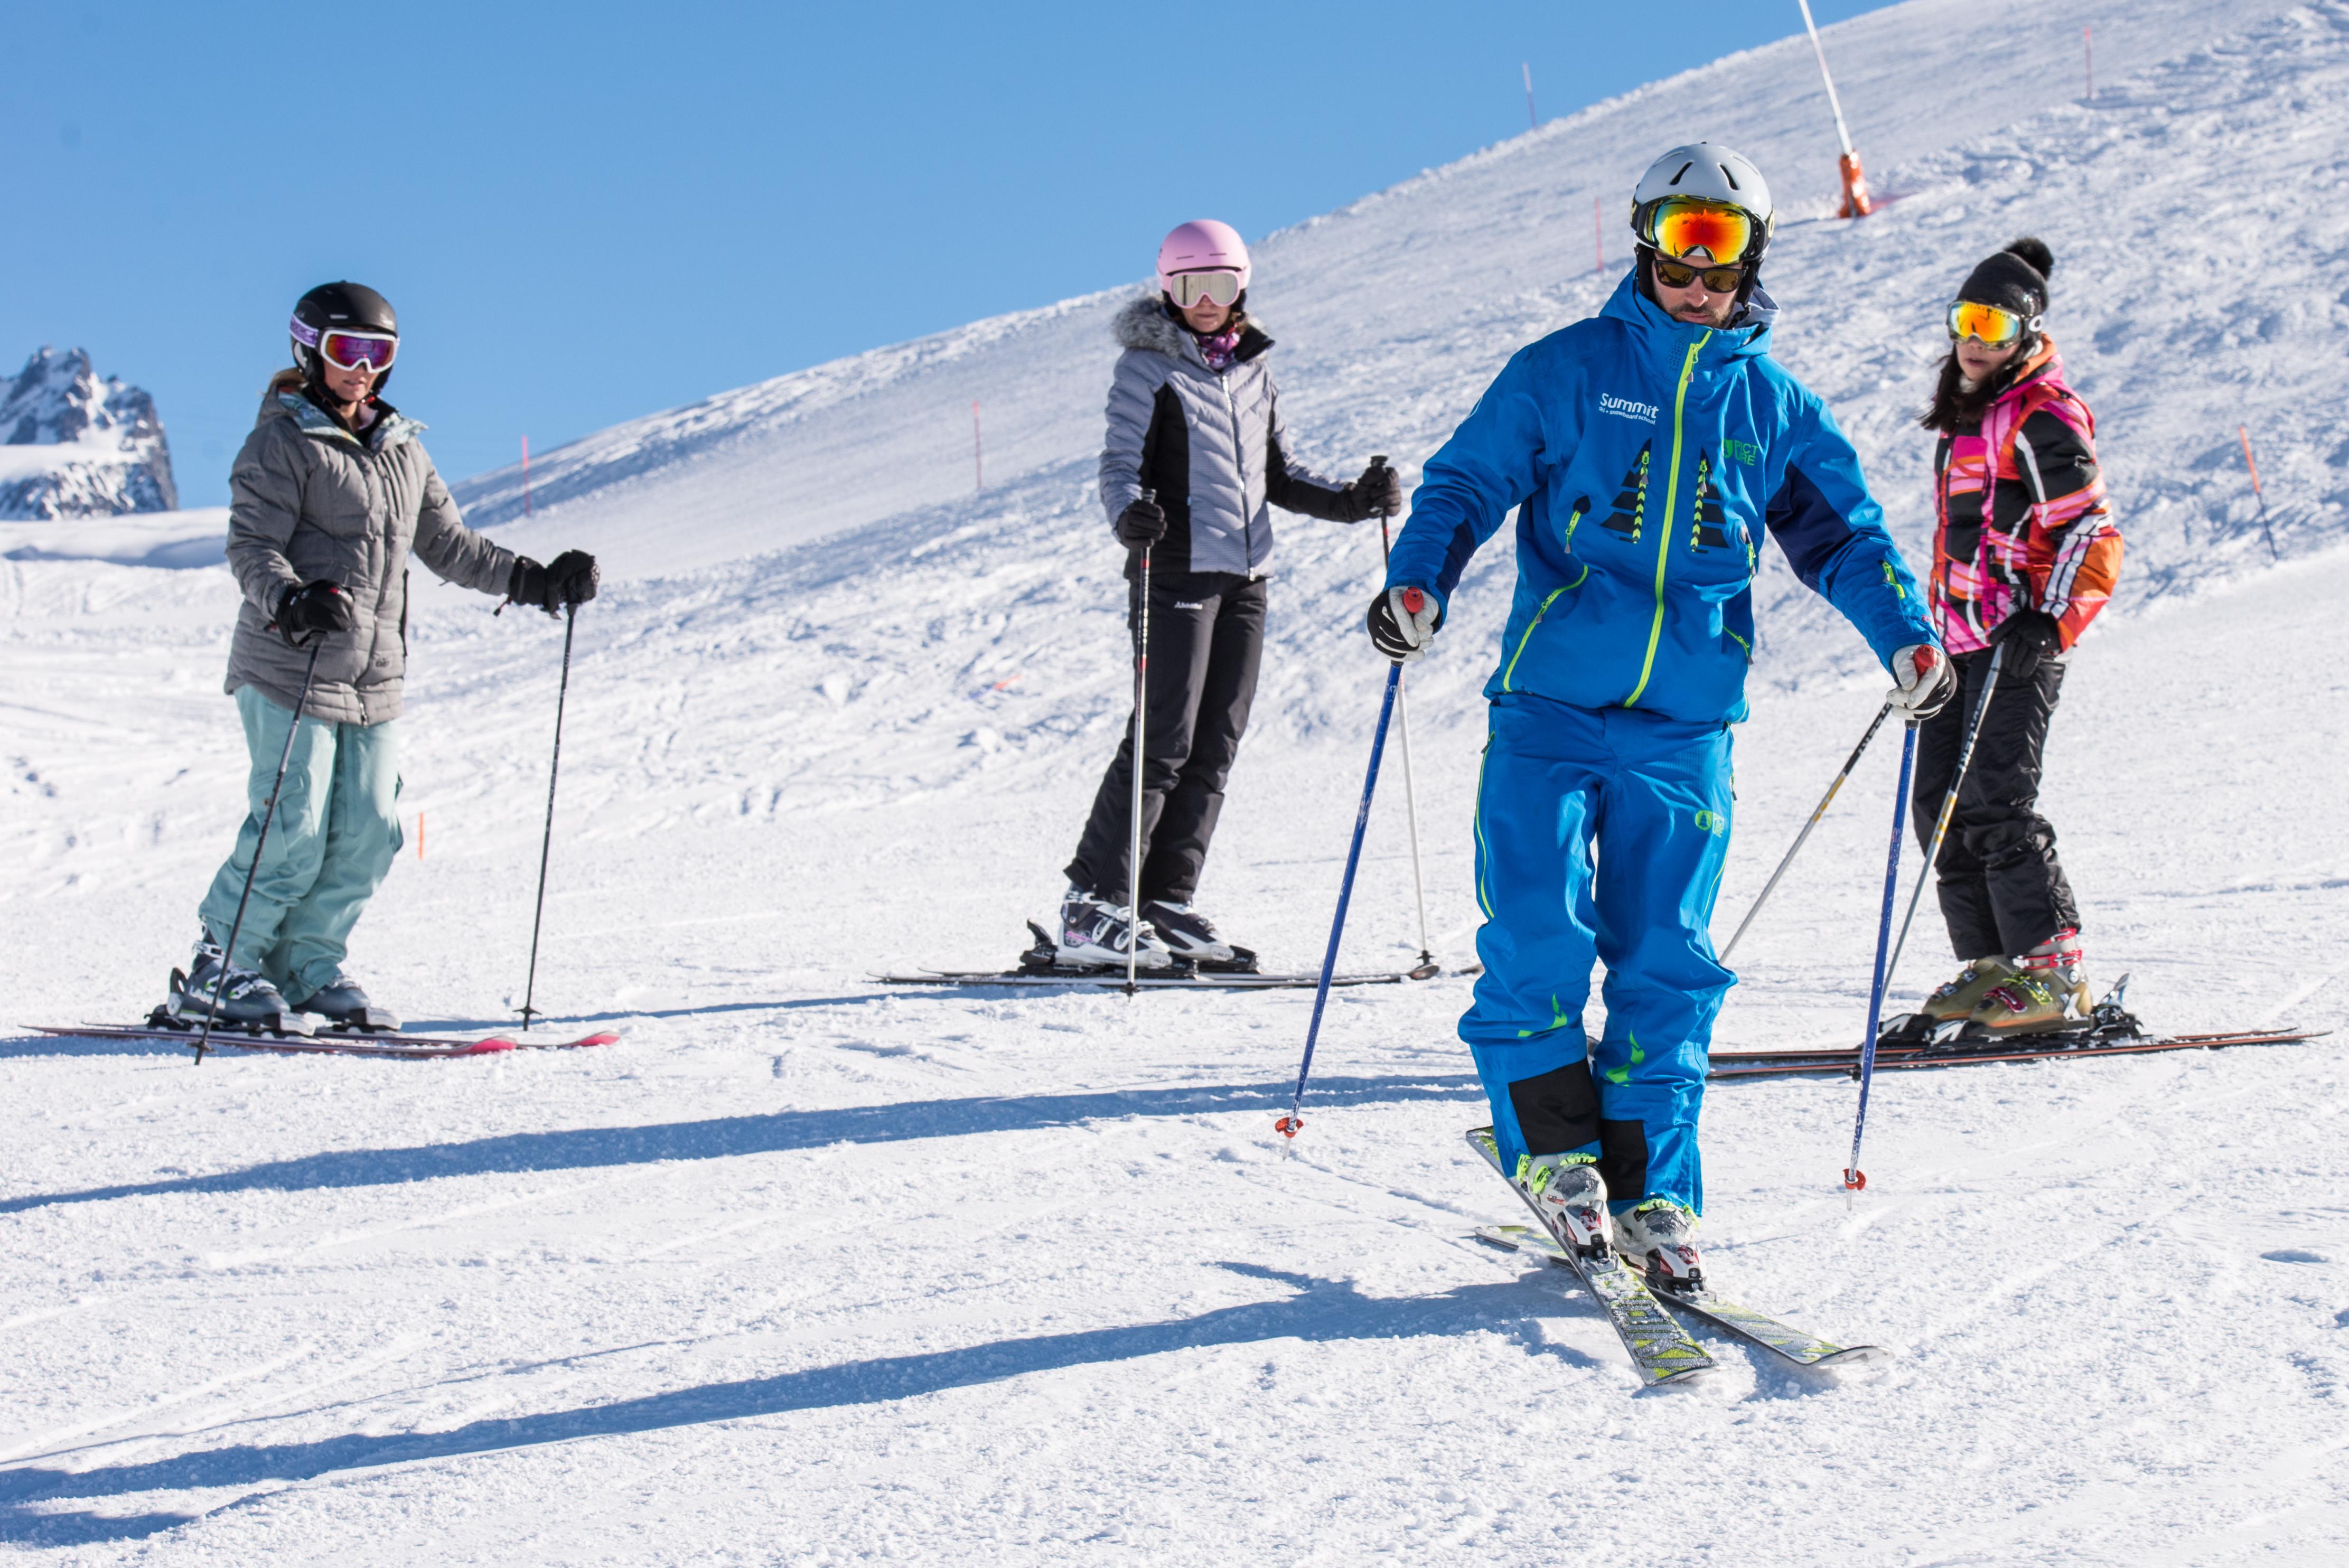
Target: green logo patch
{"x":1747,"y":452}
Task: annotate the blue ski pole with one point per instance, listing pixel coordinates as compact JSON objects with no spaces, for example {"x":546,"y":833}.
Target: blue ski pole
{"x":1288,"y":1125}
{"x":1853,"y":1178}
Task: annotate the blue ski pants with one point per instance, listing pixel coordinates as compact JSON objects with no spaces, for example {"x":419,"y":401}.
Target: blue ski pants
{"x":1600,"y":834}
{"x":330,"y":844}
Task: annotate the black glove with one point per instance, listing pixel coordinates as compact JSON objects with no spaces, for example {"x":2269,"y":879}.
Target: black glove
{"x":1391,"y":635}
{"x":571,"y":579}
{"x":1378,"y":493}
{"x":320,"y":606}
{"x":1142,"y":525}
{"x":2029,"y":637}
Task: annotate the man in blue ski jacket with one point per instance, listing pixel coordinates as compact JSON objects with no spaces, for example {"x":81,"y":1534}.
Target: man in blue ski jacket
{"x":1647,"y":449}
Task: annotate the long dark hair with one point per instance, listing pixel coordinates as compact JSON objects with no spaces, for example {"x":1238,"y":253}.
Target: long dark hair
{"x":1954,"y":409}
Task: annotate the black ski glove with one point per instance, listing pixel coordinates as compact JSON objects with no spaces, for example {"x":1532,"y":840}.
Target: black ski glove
{"x":1378,"y":493}
{"x":320,"y":606}
{"x":2031,"y":637}
{"x":571,"y":579}
{"x":1142,"y":525}
{"x":1404,"y":622}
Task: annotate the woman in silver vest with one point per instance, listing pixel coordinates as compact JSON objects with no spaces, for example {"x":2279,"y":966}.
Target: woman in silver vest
{"x":1194,"y":458}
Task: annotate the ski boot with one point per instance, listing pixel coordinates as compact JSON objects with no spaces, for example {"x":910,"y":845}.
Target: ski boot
{"x":1189,"y":935}
{"x":248,"y":1002}
{"x":1660,"y":1236}
{"x":345,"y":1006}
{"x":1095,"y":932}
{"x":1956,"y":1000}
{"x":2048,"y":990}
{"x":1568,"y":1192}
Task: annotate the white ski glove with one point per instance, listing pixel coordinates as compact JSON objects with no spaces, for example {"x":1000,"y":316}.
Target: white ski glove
{"x":1403,"y":622}
{"x":1927,"y":683}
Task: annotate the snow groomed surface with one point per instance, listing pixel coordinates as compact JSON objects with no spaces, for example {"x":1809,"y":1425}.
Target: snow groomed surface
{"x":630,"y":1305}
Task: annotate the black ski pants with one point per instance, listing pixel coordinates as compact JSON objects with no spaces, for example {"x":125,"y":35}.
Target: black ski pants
{"x":2003,"y":889}
{"x":1206,"y":641}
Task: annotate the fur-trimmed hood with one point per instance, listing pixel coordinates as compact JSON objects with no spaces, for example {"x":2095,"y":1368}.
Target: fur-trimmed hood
{"x":1143,"y":323}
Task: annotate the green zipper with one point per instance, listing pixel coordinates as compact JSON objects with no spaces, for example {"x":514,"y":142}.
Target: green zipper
{"x":1484,"y":851}
{"x":1510,"y":668}
{"x":1664,"y":533}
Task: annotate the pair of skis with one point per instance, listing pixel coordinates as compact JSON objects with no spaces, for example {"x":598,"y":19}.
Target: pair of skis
{"x":328,"y":1042}
{"x":1041,"y":966}
{"x":1662,"y":1350}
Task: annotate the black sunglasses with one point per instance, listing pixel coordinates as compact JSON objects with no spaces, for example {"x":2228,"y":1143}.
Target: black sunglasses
{"x":1680,"y":275}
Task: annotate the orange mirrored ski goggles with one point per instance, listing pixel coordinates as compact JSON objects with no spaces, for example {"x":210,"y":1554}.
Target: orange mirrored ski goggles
{"x":1678,"y":226}
{"x":1988,"y":323}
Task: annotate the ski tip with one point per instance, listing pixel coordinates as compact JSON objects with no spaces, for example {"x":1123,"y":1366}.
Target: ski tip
{"x":1855,"y":1358}
{"x":603,"y":1038}
{"x":1427,"y":971}
{"x":490,"y":1046}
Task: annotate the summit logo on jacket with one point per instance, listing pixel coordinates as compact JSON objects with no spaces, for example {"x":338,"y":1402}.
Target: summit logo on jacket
{"x":1638,"y":538}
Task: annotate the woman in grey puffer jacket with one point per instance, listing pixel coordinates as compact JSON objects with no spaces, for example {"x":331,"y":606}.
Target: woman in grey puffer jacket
{"x":1194,"y":458}
{"x":330,"y":496}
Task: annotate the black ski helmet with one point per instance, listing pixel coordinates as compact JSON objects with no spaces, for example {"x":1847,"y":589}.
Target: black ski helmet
{"x":344,"y":305}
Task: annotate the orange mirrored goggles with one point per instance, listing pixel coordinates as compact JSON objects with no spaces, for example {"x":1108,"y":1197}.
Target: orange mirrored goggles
{"x":1678,"y":226}
{"x":1988,"y":323}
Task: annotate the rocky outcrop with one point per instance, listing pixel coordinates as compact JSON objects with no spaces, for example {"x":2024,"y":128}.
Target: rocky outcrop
{"x":74,"y":446}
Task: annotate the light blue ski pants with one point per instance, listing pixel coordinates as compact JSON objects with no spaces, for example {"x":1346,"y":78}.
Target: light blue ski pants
{"x":1601,"y":833}
{"x":330,"y":844}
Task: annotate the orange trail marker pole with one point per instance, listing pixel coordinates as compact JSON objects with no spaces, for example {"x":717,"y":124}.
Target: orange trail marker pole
{"x":1855,"y":203}
{"x":2244,"y":431}
{"x":419,"y":835}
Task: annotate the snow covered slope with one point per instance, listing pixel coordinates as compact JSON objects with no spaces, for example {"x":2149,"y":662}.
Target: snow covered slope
{"x":807,"y":1271}
{"x":1388,"y":310}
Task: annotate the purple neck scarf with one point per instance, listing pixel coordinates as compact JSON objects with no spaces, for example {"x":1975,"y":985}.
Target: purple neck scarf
{"x":1220,"y":349}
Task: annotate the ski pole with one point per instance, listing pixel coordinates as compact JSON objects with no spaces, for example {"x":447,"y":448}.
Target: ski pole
{"x":1853,"y":1178}
{"x":1140,"y":706}
{"x":1427,"y":967}
{"x":546,"y":844}
{"x":1824,"y":801}
{"x":260,"y":842}
{"x":1949,"y":802}
{"x":1288,"y":1125}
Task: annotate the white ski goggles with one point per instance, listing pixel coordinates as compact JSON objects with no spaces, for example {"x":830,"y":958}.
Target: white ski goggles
{"x":1190,"y":288}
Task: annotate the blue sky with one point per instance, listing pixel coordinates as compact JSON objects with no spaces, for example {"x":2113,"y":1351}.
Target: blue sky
{"x":589,"y":212}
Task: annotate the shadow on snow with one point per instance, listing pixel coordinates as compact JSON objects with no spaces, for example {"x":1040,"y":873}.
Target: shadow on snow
{"x":718,"y":1138}
{"x":1320,"y":1310}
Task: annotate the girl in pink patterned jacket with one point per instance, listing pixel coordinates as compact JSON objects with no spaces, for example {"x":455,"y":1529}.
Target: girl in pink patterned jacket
{"x":2024,"y":554}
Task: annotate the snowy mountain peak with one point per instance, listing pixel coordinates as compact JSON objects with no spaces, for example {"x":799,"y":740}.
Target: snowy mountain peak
{"x":74,"y":446}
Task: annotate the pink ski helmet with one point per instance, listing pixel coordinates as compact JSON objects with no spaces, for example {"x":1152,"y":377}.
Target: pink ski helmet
{"x":1202,"y":245}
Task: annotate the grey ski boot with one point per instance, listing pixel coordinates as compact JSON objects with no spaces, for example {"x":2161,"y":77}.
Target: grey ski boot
{"x":345,"y":1005}
{"x":247,"y":1000}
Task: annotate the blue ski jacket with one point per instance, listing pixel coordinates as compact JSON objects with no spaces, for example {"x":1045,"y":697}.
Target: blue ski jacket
{"x":1647,"y":456}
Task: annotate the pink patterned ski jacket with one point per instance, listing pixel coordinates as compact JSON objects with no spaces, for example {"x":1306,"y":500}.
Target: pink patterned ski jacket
{"x":2020,"y":521}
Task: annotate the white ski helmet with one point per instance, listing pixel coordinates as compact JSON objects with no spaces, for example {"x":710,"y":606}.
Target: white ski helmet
{"x":1710,"y":172}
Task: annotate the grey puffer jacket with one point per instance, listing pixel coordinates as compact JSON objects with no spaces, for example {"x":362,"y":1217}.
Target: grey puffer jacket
{"x":309,"y":500}
{"x":1210,"y":445}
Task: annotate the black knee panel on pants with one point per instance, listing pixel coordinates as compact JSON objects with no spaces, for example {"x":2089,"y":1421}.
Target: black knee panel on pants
{"x":1559,"y":1110}
{"x":1623,"y":1159}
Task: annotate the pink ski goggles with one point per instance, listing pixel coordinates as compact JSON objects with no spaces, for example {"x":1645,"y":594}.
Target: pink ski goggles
{"x":1188,"y":289}
{"x":348,"y":349}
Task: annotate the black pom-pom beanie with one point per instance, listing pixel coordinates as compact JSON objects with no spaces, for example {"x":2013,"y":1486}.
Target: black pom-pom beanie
{"x":2015,"y":279}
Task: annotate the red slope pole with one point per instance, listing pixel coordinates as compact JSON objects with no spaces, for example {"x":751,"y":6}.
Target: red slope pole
{"x":1855,"y":203}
